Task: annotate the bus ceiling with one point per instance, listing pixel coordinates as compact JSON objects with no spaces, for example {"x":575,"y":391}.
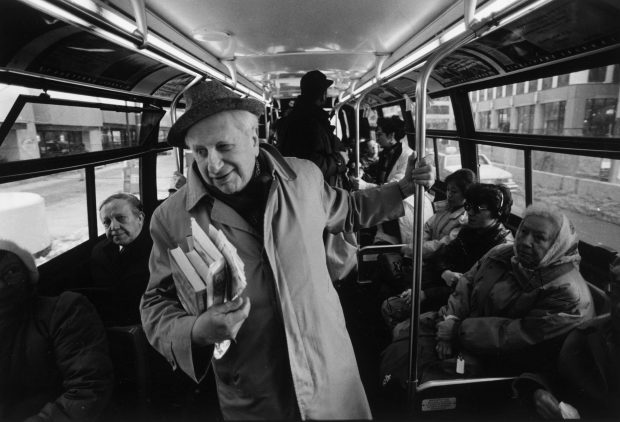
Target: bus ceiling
{"x":262,"y":48}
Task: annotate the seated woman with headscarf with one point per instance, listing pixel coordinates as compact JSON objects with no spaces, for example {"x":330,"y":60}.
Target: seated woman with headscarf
{"x":54,"y":363}
{"x":516,"y":305}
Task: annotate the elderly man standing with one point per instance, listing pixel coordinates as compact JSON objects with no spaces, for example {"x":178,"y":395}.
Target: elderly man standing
{"x":292,"y":358}
{"x":119,"y":263}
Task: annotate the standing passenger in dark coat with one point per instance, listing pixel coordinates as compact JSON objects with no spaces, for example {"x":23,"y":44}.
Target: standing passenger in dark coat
{"x":307,"y":133}
{"x":120,"y":263}
{"x":54,"y":363}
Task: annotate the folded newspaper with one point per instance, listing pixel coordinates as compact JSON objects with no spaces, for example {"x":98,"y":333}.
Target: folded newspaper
{"x":209,"y":273}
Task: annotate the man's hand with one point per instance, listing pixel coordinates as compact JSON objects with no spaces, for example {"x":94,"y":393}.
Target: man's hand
{"x":220,"y":322}
{"x":547,"y":406}
{"x":443,"y":349}
{"x":345,"y":157}
{"x":421,"y":173}
{"x":450,"y":277}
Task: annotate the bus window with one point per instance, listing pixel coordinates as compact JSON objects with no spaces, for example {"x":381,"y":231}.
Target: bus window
{"x":448,"y":157}
{"x":439,"y":114}
{"x":504,"y":165}
{"x":123,"y":176}
{"x":166,"y":166}
{"x":571,"y":182}
{"x":393,"y":110}
{"x":47,"y":215}
{"x":583,"y":103}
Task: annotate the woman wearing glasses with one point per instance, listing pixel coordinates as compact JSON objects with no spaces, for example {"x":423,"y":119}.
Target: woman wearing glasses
{"x":488,"y":207}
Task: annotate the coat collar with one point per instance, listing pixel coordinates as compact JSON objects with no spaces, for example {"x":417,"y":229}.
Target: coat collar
{"x":196,"y":190}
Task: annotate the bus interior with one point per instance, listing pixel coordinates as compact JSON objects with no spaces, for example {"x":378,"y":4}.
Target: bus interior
{"x":522,"y":92}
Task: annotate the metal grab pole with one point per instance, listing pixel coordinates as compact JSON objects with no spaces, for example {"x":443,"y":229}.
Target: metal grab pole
{"x":357,"y":134}
{"x":418,"y":217}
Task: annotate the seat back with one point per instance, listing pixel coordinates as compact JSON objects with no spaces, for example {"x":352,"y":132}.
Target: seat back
{"x":602,"y":304}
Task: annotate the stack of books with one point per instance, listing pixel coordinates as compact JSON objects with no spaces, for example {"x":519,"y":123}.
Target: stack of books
{"x":209,"y":273}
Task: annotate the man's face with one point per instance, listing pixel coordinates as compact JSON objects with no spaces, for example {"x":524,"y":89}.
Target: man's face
{"x":122,"y":225}
{"x":225,"y":150}
{"x":382,"y":138}
{"x":534,"y":238}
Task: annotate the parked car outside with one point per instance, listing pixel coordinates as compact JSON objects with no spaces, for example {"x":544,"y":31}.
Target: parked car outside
{"x":488,"y":173}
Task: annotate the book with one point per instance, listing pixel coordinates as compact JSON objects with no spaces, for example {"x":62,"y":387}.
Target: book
{"x":190,"y":287}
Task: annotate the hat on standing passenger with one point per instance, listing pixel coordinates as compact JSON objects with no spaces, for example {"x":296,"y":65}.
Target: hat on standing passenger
{"x":314,"y":82}
{"x":206,"y":99}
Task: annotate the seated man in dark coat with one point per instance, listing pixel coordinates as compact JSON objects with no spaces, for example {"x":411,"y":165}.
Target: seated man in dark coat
{"x":54,"y":363}
{"x":119,"y":263}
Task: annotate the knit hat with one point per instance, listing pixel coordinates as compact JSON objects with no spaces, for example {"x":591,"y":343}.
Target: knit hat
{"x":206,"y":99}
{"x":24,"y":256}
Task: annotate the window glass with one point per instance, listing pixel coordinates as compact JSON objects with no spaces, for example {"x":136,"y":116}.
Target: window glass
{"x":600,"y":117}
{"x":503,"y":120}
{"x":45,"y":215}
{"x":448,"y":157}
{"x":123,"y":176}
{"x":50,"y":130}
{"x":504,"y":165}
{"x":166,"y":166}
{"x":585,"y":188}
{"x":392,"y":111}
{"x":439,"y":114}
{"x":582,"y":103}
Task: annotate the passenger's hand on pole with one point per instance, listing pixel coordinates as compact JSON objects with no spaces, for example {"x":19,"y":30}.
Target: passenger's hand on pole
{"x":450,"y":277}
{"x":345,"y":157}
{"x":443,"y":349}
{"x":547,"y":406}
{"x":220,"y":322}
{"x":357,"y":183}
{"x":417,"y":173}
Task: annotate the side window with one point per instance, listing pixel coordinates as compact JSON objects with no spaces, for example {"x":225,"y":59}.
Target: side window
{"x":582,"y":103}
{"x":579,"y":186}
{"x":448,"y":157}
{"x":166,"y":166}
{"x":499,"y":165}
{"x":46,"y":215}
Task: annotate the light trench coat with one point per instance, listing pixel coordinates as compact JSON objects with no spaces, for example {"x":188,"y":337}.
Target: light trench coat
{"x":299,"y":207}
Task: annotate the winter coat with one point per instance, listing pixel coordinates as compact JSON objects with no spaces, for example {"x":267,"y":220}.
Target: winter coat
{"x":307,"y":133}
{"x":56,"y":360}
{"x":441,"y":229}
{"x":459,"y":256}
{"x":303,"y":316}
{"x":502,"y":311}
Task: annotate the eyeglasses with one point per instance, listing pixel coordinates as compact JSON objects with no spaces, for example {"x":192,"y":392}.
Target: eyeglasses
{"x":475,"y":208}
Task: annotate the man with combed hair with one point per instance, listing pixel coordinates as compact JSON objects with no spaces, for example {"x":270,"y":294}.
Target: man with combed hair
{"x":292,"y":357}
{"x":119,"y":263}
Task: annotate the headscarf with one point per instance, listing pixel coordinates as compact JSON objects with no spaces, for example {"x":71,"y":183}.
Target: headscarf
{"x":563,"y":249}
{"x":24,"y":256}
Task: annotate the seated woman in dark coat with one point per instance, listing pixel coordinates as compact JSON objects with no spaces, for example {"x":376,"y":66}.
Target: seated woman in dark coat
{"x":54,"y":363}
{"x":488,"y":206}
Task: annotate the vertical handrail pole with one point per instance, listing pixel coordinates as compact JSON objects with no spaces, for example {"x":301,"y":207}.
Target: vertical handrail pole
{"x":358,"y":103}
{"x":173,"y":116}
{"x":418,"y":217}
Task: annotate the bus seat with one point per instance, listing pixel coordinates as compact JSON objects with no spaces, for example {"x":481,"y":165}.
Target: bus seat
{"x":602,"y":304}
{"x":130,"y":350}
{"x":367,"y":258}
